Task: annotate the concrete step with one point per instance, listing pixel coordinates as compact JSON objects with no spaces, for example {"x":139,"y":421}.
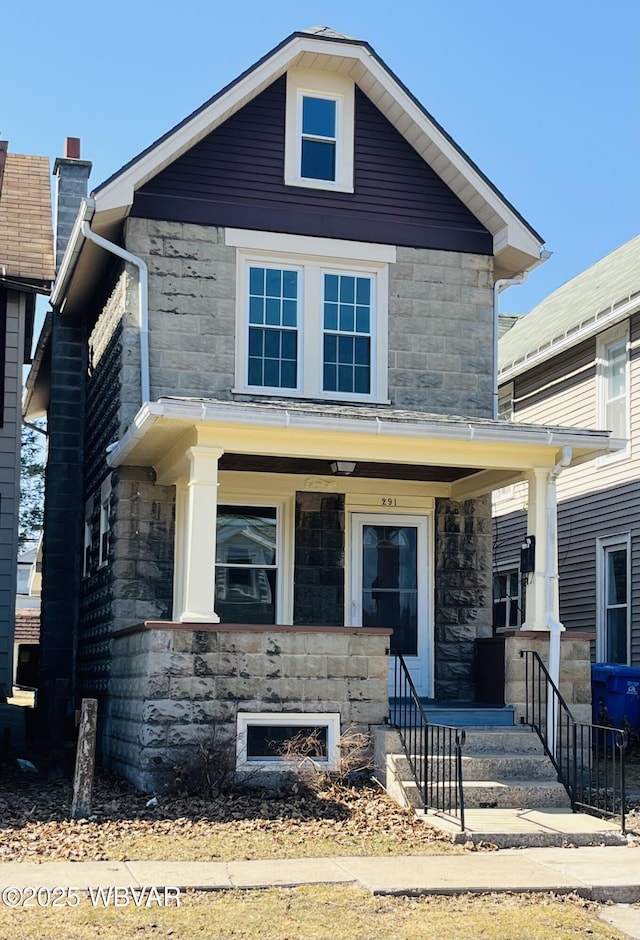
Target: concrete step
{"x":502,"y":740}
{"x":500,"y":765}
{"x":514,"y":794}
{"x":538,"y":827}
{"x":499,"y":794}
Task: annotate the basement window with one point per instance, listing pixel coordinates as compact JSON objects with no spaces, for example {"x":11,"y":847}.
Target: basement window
{"x":278,"y":739}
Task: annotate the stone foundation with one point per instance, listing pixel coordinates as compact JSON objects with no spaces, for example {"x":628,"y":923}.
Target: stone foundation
{"x":172,"y":687}
{"x":575,"y":669}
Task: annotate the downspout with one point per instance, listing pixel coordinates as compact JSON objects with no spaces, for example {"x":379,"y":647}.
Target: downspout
{"x":500,"y":285}
{"x":143,"y":301}
{"x":556,"y":628}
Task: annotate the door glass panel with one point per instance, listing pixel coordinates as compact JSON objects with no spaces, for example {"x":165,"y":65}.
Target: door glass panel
{"x":390,"y":583}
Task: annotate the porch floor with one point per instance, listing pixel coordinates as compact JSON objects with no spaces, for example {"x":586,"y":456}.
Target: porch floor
{"x":548,"y":826}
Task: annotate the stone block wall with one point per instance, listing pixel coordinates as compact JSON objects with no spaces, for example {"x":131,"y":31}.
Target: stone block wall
{"x":463,"y":598}
{"x":141,"y":548}
{"x":318,"y":580}
{"x":172,"y":687}
{"x":440,"y":332}
{"x":192,"y":309}
{"x":575,"y":669}
{"x":440,"y":320}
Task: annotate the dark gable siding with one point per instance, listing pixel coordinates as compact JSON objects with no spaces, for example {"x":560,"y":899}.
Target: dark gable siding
{"x":234,"y":177}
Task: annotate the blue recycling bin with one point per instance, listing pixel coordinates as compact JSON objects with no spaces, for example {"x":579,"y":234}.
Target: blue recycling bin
{"x":615,"y":695}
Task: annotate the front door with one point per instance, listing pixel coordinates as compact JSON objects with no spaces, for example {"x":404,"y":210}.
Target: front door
{"x":390,"y":586}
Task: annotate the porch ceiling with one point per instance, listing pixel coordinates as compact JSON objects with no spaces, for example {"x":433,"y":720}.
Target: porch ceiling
{"x":375,"y":471}
{"x":473,"y":456}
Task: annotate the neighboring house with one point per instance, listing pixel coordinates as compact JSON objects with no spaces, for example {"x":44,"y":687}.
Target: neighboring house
{"x":26,"y":640}
{"x":269,"y":384}
{"x":573,"y":360}
{"x":26,"y":269}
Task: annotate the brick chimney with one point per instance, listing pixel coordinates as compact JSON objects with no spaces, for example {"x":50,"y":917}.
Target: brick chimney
{"x":72,"y":175}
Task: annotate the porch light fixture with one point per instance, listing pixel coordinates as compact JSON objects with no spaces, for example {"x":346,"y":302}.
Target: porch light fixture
{"x":343,"y":468}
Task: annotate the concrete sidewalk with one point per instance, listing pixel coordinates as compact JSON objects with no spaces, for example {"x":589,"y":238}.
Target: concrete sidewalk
{"x":601,"y":873}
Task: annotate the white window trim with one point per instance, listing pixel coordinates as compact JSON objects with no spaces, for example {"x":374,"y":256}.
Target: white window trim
{"x":340,"y":88}
{"x":507,"y":568}
{"x":311,"y":266}
{"x":617,"y":334}
{"x":623,"y":540}
{"x":105,"y":498}
{"x":330,"y":720}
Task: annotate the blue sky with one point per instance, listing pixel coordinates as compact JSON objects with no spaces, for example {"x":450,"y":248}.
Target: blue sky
{"x":543,"y":96}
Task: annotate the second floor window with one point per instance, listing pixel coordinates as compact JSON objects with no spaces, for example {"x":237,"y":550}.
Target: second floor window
{"x":313,"y":330}
{"x":613,"y":383}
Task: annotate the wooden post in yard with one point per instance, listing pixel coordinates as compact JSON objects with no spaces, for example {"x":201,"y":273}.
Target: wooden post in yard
{"x":85,"y":760}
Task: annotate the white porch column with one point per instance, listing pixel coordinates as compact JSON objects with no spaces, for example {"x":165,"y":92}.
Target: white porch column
{"x":537,"y":525}
{"x":199,"y":537}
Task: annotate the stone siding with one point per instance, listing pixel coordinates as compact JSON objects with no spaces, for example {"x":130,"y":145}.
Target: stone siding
{"x":171,"y":689}
{"x":440,"y":332}
{"x":440,"y":320}
{"x":318,"y":578}
{"x":192,"y":290}
{"x":575,"y":670}
{"x":141,"y":548}
{"x":463,"y":598}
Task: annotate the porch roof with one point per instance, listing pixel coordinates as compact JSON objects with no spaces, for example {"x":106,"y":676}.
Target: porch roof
{"x":477,"y":454}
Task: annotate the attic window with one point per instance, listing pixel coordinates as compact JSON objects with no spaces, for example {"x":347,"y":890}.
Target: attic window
{"x":319,"y":131}
{"x":319,"y":138}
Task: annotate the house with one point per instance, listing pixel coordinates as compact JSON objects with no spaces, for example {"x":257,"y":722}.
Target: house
{"x":269,"y":381}
{"x":573,"y":360}
{"x":26,"y":270}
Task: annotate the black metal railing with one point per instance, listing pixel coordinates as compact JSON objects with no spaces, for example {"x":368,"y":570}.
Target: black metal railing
{"x":589,"y":759}
{"x":434,"y":751}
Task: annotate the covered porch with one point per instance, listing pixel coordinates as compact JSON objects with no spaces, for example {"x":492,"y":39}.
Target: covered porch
{"x":292,"y":582}
{"x":321,"y":515}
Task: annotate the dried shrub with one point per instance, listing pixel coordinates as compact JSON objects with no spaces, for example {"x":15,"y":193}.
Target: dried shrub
{"x":355,"y":762}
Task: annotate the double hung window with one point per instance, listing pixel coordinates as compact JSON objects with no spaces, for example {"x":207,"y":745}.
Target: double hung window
{"x":319,"y":138}
{"x":614,"y":601}
{"x":319,"y":130}
{"x":246,"y":564}
{"x":613,"y":384}
{"x":506,"y":599}
{"x":273,"y":327}
{"x":310,"y":325}
{"x":347,"y":310}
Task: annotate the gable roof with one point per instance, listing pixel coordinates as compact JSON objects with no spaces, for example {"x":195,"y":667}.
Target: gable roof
{"x":604,"y":294}
{"x":516,"y":245}
{"x":26,"y":233}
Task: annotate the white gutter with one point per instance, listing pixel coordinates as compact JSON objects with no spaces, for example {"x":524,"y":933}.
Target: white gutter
{"x":143,"y":301}
{"x":500,"y":285}
{"x":556,"y":628}
{"x":82,"y":232}
{"x":196,"y":412}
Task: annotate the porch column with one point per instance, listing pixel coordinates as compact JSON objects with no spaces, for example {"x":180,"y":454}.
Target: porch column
{"x":537,"y":525}
{"x":199,"y":542}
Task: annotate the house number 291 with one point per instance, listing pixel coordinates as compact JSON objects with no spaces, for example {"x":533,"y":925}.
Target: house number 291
{"x":389,"y":501}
